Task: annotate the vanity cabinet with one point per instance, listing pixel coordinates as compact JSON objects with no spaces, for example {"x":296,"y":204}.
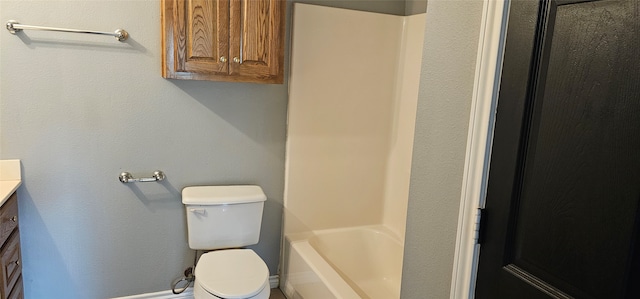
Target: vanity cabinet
{"x":223,"y":40}
{"x":10,"y":261}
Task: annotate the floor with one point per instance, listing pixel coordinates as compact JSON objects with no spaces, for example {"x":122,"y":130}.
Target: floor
{"x":276,"y":294}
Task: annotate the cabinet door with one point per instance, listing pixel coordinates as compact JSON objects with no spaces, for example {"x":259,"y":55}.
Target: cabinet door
{"x":195,"y":38}
{"x":257,"y":39}
{"x":10,"y":262}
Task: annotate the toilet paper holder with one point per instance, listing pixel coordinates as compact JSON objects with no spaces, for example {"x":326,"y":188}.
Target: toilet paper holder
{"x":126,"y":177}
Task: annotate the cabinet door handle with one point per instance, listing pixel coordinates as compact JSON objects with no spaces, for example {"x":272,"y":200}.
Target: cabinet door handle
{"x":17,"y":263}
{"x":236,"y":59}
{"x":223,"y":59}
{"x":14,"y":218}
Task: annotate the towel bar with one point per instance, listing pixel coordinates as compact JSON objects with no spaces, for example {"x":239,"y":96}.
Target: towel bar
{"x":15,"y":27}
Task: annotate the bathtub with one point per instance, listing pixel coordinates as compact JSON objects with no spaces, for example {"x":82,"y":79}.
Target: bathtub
{"x":357,"y":262}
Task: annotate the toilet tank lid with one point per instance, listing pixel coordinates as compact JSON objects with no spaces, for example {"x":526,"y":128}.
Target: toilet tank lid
{"x":216,"y":195}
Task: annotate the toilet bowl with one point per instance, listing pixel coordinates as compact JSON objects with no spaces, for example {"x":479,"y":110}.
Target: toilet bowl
{"x":231,"y":274}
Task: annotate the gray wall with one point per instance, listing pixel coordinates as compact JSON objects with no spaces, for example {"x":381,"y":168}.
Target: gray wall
{"x":79,"y":109}
{"x":413,"y":7}
{"x":448,"y":66}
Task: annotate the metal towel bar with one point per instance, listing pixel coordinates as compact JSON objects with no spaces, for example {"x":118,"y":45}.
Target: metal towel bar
{"x":15,"y":27}
{"x":126,"y":177}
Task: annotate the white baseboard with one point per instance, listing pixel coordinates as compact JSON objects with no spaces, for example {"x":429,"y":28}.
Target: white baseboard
{"x":274,"y":281}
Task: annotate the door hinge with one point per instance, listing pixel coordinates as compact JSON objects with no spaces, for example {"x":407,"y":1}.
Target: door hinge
{"x":481,"y":219}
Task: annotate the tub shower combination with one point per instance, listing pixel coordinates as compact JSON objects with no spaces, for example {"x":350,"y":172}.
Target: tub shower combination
{"x":352,"y":102}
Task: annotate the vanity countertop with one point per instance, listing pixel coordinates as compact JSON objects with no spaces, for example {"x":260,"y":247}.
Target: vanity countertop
{"x":10,"y":178}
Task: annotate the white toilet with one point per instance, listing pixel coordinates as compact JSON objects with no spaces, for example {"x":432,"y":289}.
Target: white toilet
{"x":225,"y":218}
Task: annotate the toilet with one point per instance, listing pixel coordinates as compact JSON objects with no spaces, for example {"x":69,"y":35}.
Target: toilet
{"x":223,"y":219}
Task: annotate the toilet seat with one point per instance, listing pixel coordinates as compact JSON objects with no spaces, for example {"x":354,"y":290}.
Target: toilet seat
{"x":232,"y":273}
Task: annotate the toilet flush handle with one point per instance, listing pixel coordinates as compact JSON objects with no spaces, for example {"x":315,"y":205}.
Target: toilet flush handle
{"x":197,"y":211}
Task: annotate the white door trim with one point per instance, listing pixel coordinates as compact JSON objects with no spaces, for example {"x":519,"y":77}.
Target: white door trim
{"x":481,"y":124}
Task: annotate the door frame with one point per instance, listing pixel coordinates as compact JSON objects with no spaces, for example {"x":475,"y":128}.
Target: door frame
{"x":479,"y":141}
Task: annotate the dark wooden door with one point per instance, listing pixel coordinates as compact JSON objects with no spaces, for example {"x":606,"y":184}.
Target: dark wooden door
{"x":564,"y":182}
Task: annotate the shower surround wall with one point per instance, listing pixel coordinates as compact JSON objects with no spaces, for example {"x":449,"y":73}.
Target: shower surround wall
{"x":352,"y":103}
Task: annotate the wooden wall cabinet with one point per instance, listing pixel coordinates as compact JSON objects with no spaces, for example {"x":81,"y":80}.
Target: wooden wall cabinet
{"x":10,"y":261}
{"x":223,"y":40}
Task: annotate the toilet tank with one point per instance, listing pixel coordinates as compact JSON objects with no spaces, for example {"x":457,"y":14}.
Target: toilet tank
{"x":223,"y":216}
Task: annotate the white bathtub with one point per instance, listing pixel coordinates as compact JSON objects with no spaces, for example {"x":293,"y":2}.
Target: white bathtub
{"x":358,"y":262}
